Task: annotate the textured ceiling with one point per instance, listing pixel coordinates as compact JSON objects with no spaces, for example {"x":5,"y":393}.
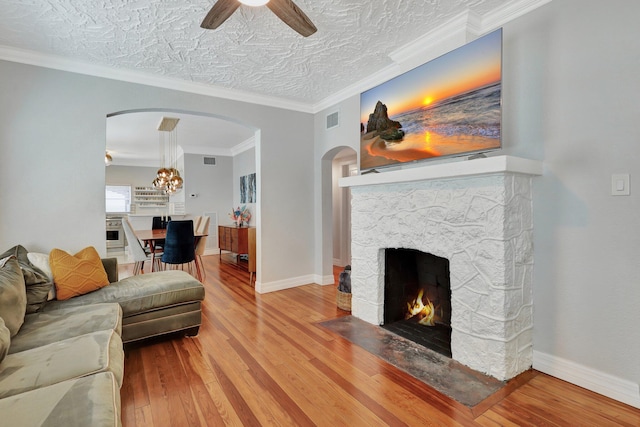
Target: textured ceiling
{"x":253,"y":51}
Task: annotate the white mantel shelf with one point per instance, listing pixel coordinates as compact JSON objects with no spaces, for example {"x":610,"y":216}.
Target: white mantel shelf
{"x":484,"y":166}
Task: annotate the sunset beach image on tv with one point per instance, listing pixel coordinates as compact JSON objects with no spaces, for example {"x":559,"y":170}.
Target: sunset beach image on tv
{"x":449,"y":106}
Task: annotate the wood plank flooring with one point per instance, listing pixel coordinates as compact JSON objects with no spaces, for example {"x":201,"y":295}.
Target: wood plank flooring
{"x":261,"y":360}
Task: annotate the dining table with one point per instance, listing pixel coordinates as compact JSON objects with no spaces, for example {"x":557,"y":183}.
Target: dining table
{"x":151,"y":238}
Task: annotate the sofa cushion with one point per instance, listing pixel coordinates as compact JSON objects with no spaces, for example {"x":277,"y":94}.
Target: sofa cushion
{"x":37,"y":283}
{"x":5,"y":340}
{"x":142,"y":293}
{"x":13,"y":295}
{"x":41,"y":262}
{"x":51,"y":326}
{"x":89,"y":401}
{"x":60,"y":361}
{"x":77,"y":274}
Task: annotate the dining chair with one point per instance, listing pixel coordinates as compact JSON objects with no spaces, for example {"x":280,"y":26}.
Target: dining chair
{"x":201,"y":246}
{"x":196,"y":222}
{"x":179,"y":245}
{"x":158,"y":223}
{"x":140,"y":255}
{"x":203,"y":226}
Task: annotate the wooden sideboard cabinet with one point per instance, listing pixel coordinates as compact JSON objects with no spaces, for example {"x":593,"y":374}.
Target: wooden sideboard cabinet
{"x":240,"y":241}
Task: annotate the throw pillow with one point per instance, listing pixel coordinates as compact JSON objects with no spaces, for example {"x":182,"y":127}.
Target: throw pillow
{"x":77,"y":274}
{"x":37,"y":283}
{"x":41,"y":262}
{"x":13,"y":295}
{"x":5,"y":340}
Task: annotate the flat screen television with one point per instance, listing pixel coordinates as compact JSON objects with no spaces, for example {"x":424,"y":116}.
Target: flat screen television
{"x":450,"y":106}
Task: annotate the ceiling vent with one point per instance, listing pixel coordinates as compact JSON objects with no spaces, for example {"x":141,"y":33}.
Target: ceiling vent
{"x":210,"y":161}
{"x":333,"y":120}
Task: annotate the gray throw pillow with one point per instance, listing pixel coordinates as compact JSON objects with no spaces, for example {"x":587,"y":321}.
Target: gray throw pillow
{"x":5,"y":340}
{"x":13,"y":296}
{"x":37,"y":283}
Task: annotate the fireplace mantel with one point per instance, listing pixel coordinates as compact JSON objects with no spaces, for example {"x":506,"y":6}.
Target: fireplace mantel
{"x":481,"y":166}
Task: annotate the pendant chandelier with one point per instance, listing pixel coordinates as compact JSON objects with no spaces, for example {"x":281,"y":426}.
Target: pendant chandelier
{"x":168,"y":178}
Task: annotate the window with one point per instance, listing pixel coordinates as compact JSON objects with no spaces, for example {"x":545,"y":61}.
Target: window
{"x":118,"y":198}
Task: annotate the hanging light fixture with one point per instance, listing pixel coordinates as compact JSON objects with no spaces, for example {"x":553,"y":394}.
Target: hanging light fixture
{"x":168,"y":178}
{"x":107,"y":159}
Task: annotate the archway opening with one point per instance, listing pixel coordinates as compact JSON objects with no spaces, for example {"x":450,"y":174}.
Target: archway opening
{"x":336,"y":209}
{"x":215,"y":152}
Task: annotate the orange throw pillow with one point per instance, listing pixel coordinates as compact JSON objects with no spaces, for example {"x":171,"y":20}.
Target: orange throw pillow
{"x":77,"y":274}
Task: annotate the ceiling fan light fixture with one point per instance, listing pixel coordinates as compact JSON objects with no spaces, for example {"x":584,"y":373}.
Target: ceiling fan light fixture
{"x":254,"y":3}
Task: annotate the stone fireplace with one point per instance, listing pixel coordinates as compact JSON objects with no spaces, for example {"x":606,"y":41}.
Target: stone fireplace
{"x":476,"y":214}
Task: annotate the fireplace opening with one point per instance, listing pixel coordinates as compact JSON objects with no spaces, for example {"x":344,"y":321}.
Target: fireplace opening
{"x":417,"y":298}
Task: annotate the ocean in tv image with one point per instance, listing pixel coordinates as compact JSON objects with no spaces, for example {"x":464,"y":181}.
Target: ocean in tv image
{"x":448,"y":106}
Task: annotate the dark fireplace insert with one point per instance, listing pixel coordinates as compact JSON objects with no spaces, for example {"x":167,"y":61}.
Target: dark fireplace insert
{"x":417,"y":298}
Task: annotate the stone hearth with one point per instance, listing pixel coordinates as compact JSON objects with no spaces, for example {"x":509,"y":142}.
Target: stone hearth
{"x":478,"y":215}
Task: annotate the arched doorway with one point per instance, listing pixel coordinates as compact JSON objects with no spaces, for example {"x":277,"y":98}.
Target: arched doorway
{"x":211,"y":188}
{"x":337,"y":163}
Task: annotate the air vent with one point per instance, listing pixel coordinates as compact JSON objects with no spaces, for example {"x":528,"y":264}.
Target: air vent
{"x":210,"y":161}
{"x":333,"y":120}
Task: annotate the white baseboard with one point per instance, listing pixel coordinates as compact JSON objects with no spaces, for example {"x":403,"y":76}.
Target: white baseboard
{"x":278,"y":285}
{"x":338,"y":262}
{"x":608,"y":385}
{"x":324,"y":280}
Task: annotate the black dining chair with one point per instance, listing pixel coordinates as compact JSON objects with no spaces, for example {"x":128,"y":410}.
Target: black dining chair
{"x":160,"y":223}
{"x":179,"y":245}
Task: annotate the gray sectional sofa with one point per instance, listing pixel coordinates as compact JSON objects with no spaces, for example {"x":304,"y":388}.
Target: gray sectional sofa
{"x":64,"y":364}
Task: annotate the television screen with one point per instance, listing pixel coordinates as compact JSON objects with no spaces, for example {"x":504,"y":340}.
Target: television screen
{"x":450,"y":106}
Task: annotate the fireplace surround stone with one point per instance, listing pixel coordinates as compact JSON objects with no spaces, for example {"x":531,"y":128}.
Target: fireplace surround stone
{"x":477,"y":214}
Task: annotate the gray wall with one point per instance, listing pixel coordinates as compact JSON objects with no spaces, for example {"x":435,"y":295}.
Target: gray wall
{"x":243,"y":164}
{"x":570,"y":98}
{"x":211,"y":183}
{"x":328,"y":143}
{"x":52,"y":134}
{"x":572,"y":101}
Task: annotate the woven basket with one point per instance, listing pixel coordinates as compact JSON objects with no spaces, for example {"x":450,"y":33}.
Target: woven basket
{"x":344,"y":301}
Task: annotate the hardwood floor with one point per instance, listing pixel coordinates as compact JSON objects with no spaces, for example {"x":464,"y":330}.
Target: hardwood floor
{"x":261,"y":360}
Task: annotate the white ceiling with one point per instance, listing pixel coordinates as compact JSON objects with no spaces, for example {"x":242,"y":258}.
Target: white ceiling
{"x":252,"y":53}
{"x":133,"y":139}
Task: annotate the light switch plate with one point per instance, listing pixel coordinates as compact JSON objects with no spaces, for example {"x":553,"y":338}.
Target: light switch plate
{"x":620,"y":184}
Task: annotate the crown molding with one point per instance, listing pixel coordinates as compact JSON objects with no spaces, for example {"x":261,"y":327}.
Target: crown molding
{"x":38,"y":59}
{"x":461,"y":29}
{"x":146,"y":163}
{"x":508,"y":13}
{"x":243,"y":146}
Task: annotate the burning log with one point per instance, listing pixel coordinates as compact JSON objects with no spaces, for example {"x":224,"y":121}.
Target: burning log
{"x":425,"y":313}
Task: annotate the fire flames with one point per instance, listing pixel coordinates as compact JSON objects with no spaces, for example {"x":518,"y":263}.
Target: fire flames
{"x":425,"y":313}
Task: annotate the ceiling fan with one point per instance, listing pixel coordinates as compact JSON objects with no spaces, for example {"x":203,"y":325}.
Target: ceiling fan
{"x":286,"y":10}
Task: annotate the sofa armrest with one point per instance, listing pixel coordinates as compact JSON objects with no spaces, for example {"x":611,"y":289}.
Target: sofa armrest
{"x":111,"y":267}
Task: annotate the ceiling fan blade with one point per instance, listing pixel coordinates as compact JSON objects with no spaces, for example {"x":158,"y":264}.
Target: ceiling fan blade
{"x":293,"y":16}
{"x":219,"y":13}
